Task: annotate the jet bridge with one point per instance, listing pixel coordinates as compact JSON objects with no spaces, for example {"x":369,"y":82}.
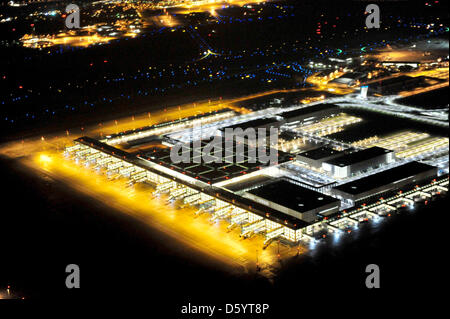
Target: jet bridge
{"x":238,"y":218}
{"x":274,"y":233}
{"x":192,"y":199}
{"x":254,"y":227}
{"x":222,"y":212}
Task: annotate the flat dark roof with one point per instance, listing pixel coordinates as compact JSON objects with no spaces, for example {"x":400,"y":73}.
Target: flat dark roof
{"x":226,"y":167}
{"x":400,"y":80}
{"x":359,"y":156}
{"x":321,"y":152}
{"x":288,"y":135}
{"x":293,"y":196}
{"x":309,"y":109}
{"x":384,"y":178}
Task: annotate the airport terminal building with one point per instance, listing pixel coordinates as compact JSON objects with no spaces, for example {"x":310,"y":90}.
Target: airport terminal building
{"x":386,"y":181}
{"x":351,"y":164}
{"x":230,"y":185}
{"x":316,"y":157}
{"x":295,"y":200}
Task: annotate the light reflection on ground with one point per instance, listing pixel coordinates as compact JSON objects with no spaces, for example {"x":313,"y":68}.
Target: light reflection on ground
{"x":43,"y":156}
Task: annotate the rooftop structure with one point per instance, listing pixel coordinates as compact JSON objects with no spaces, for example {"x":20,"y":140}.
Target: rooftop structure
{"x":350,"y":164}
{"x":295,"y":200}
{"x":215,"y":165}
{"x":391,"y":179}
{"x":317,"y":156}
{"x":309,"y":112}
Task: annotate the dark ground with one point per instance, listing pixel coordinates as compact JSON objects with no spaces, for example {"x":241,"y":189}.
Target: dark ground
{"x":45,"y":227}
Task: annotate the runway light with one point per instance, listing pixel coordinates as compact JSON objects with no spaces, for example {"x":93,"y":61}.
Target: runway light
{"x":45,"y":158}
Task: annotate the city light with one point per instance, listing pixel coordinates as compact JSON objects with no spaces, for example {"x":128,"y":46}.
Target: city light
{"x":219,"y":142}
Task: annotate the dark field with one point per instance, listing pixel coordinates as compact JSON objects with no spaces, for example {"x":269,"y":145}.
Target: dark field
{"x":430,"y":100}
{"x":46,"y":226}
